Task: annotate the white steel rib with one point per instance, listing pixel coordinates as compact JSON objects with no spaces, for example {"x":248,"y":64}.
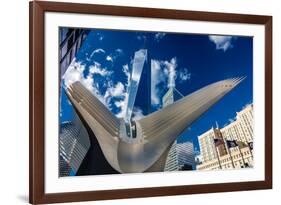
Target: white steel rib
{"x":154,"y":134}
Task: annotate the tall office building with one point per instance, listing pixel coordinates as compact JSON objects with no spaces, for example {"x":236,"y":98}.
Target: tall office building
{"x":222,"y":157}
{"x":143,"y":96}
{"x":242,"y":128}
{"x":181,"y":157}
{"x":186,"y":156}
{"x":246,"y":119}
{"x":140,"y":59}
{"x":171,"y":96}
{"x":64,"y":167}
{"x":172,"y":159}
{"x":70,"y":41}
{"x":74,"y":144}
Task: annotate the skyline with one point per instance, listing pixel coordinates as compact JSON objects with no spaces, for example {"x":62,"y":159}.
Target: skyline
{"x":103,"y":64}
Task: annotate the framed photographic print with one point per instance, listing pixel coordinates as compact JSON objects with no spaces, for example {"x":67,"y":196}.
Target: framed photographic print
{"x":138,"y":102}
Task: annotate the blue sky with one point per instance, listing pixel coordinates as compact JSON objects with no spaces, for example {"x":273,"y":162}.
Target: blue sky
{"x":186,"y":61}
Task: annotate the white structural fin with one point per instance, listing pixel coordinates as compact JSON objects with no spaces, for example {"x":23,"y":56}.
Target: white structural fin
{"x":102,"y":122}
{"x":161,"y":128}
{"x":154,"y":133}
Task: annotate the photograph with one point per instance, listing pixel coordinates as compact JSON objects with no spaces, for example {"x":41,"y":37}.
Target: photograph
{"x":129,"y":102}
{"x":152,"y":101}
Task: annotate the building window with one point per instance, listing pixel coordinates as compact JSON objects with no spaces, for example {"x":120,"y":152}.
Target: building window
{"x":63,"y":34}
{"x":70,"y":42}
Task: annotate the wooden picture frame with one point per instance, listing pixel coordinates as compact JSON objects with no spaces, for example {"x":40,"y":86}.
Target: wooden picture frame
{"x":37,"y":10}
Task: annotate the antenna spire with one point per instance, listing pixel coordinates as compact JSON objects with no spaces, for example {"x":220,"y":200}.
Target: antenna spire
{"x":217,"y":125}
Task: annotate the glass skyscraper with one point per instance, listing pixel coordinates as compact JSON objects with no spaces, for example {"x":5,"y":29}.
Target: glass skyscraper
{"x":70,"y":41}
{"x":143,"y":97}
{"x":74,"y":145}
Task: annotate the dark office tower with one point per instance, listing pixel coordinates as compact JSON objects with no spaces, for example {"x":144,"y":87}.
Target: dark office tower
{"x":70,"y":41}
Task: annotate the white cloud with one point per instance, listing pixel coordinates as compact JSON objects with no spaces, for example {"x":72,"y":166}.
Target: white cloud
{"x":119,"y":50}
{"x":231,"y":120}
{"x":100,"y":36}
{"x":119,"y":92}
{"x":115,"y":94}
{"x":137,"y":113}
{"x":165,"y":73}
{"x":98,"y":50}
{"x":170,"y":70}
{"x":126,"y":71}
{"x":115,"y":91}
{"x":159,"y":36}
{"x":109,"y":58}
{"x":88,"y":82}
{"x":97,"y":69}
{"x":161,"y":72}
{"x":184,"y":75}
{"x":157,"y":76}
{"x":122,"y":104}
{"x":141,"y":37}
{"x":222,"y":42}
{"x":74,"y":73}
{"x":113,"y":56}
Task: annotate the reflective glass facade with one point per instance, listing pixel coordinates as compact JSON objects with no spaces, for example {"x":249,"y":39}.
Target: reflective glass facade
{"x":138,"y":64}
